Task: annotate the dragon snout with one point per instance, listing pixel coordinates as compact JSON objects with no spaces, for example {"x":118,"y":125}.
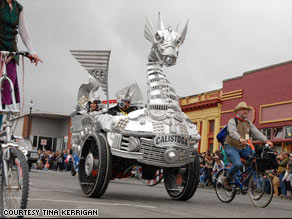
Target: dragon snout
{"x":170,"y":52}
{"x":170,"y":60}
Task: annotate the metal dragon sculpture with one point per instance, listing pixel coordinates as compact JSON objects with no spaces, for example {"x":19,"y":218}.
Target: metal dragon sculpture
{"x":158,"y":138}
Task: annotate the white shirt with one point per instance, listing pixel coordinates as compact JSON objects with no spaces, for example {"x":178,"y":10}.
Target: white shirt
{"x":24,"y":34}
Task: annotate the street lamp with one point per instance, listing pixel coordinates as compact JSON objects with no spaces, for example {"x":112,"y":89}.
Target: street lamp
{"x":31,"y":104}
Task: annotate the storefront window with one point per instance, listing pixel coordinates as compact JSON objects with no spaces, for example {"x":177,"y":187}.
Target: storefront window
{"x":267,"y":133}
{"x":211,"y":126}
{"x":288,"y":131}
{"x":277,"y":133}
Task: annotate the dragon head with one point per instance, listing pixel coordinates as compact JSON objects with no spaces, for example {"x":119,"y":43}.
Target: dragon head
{"x":166,"y":42}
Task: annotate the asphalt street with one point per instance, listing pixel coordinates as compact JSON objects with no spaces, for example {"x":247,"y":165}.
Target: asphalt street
{"x":128,"y":198}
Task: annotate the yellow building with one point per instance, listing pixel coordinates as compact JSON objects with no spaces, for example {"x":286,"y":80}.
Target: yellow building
{"x":204,"y":110}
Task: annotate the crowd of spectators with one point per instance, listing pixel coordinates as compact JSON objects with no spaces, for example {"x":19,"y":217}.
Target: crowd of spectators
{"x":282,"y":177}
{"x":57,"y":161}
{"x":210,"y":164}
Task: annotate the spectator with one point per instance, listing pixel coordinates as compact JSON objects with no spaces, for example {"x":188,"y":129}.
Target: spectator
{"x":59,"y":161}
{"x":64,"y":157}
{"x":47,"y":165}
{"x":282,"y":161}
{"x":69,"y":160}
{"x":218,"y":165}
{"x":287,"y":179}
{"x":203,"y":174}
{"x":289,"y":167}
{"x":209,"y":166}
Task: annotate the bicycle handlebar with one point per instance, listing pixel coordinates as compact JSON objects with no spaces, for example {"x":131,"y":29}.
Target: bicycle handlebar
{"x":23,"y":53}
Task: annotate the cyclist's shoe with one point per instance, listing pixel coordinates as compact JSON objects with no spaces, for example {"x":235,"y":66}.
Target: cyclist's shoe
{"x":226,"y":184}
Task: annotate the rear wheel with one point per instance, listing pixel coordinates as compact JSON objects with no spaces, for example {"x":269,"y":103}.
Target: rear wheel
{"x":14,"y":193}
{"x":223,"y":195}
{"x":95,"y":166}
{"x":181,"y":183}
{"x":260,"y":189}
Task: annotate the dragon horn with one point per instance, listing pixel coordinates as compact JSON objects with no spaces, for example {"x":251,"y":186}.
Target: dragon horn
{"x":177,"y":27}
{"x":160,"y":25}
{"x":184,"y":32}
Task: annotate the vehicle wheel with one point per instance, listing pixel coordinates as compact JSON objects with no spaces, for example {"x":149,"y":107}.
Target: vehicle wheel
{"x":14,"y":194}
{"x":260,"y":189}
{"x":181,"y":183}
{"x":95,"y":166}
{"x":223,"y":195}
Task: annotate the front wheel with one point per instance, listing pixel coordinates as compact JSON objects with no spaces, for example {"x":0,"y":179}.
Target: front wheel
{"x":223,"y":195}
{"x":95,"y":166}
{"x":181,"y":183}
{"x":14,"y":192}
{"x":260,"y":189}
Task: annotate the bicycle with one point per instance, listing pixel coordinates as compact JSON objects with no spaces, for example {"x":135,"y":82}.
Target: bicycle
{"x":14,"y":183}
{"x":256,"y":183}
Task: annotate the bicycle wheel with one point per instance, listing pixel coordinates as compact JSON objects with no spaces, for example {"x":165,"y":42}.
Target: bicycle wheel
{"x":14,"y":194}
{"x":223,"y":195}
{"x":260,"y":189}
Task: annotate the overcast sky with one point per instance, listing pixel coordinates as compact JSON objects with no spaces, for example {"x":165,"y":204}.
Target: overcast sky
{"x":225,"y":38}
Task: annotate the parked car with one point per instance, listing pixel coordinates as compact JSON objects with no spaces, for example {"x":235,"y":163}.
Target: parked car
{"x":30,"y":153}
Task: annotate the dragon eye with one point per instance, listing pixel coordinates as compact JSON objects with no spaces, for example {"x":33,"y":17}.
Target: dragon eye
{"x":158,"y":38}
{"x":178,"y":41}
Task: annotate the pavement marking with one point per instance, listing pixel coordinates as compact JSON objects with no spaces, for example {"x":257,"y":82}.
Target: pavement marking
{"x":47,"y":190}
{"x":93,"y":203}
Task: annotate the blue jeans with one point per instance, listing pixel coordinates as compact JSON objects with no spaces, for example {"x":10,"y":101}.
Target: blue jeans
{"x":282,"y":184}
{"x":234,"y":155}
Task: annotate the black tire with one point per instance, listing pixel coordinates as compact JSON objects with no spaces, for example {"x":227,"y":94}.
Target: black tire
{"x":257,"y":186}
{"x":223,"y":195}
{"x":95,"y":184}
{"x":190,"y":175}
{"x":17,"y":163}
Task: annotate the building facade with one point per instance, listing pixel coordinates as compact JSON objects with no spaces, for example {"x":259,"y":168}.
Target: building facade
{"x":46,"y":130}
{"x":204,"y":110}
{"x":269,"y":92}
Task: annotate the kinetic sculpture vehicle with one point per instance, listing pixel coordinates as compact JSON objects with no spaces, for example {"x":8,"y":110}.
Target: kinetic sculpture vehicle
{"x":158,"y":138}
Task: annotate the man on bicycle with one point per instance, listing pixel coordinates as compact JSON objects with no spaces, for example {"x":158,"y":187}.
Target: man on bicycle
{"x":240,"y":130}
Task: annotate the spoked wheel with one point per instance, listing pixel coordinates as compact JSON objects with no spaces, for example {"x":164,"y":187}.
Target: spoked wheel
{"x":260,"y":189}
{"x":223,"y":195}
{"x":152,"y":182}
{"x":14,"y":192}
{"x":95,"y":166}
{"x":181,"y":183}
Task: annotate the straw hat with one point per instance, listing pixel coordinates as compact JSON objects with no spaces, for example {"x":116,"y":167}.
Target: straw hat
{"x":242,"y":105}
{"x":216,"y":157}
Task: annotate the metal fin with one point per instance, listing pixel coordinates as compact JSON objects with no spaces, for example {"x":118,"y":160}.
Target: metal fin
{"x":149,"y":31}
{"x":160,"y":25}
{"x":176,"y":30}
{"x":184,"y":32}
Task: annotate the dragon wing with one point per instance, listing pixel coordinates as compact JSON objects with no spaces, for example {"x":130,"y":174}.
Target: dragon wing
{"x":96,"y":62}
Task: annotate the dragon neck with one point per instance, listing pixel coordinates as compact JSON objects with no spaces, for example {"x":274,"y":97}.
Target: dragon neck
{"x":161,"y":95}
